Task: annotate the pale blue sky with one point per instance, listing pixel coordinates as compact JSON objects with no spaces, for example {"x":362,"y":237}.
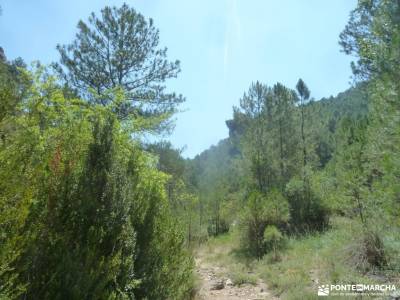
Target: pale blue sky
{"x":223,"y":46}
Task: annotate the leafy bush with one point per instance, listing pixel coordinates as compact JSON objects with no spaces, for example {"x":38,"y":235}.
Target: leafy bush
{"x":261,"y":211}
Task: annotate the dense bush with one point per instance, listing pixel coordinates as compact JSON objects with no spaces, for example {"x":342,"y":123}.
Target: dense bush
{"x":84,"y":210}
{"x":261,"y":211}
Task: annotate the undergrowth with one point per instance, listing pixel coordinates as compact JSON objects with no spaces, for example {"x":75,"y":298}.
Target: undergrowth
{"x":309,"y":261}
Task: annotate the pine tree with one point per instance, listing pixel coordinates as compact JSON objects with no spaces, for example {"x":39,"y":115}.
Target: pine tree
{"x":255,"y":107}
{"x":304,"y":94}
{"x":120,"y":49}
{"x":283,"y":133}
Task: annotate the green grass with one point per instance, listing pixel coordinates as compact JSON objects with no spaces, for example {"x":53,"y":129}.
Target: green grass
{"x":317,"y":259}
{"x":306,"y":262}
{"x":242,"y":277}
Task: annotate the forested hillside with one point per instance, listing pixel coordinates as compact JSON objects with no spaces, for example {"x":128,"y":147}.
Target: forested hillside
{"x":308,"y":190}
{"x":225,"y":174}
{"x":303,"y":192}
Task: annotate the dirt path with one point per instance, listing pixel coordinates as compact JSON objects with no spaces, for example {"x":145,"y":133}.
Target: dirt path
{"x":215,"y":285}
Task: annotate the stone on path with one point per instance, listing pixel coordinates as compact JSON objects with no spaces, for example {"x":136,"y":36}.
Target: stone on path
{"x":218,"y":285}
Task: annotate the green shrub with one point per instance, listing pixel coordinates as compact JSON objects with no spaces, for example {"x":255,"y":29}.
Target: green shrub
{"x":92,"y":219}
{"x":261,"y":211}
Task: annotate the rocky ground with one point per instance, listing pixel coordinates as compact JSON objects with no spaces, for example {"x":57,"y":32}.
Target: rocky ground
{"x":215,"y":284}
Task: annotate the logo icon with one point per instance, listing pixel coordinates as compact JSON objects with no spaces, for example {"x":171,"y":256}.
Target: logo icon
{"x":323,"y":290}
{"x":359,"y":287}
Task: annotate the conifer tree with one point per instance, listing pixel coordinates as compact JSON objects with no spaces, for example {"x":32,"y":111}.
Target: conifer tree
{"x":120,"y":49}
{"x":304,"y":94}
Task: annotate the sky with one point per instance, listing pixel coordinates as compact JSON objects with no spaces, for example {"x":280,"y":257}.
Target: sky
{"x":223,"y":46}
